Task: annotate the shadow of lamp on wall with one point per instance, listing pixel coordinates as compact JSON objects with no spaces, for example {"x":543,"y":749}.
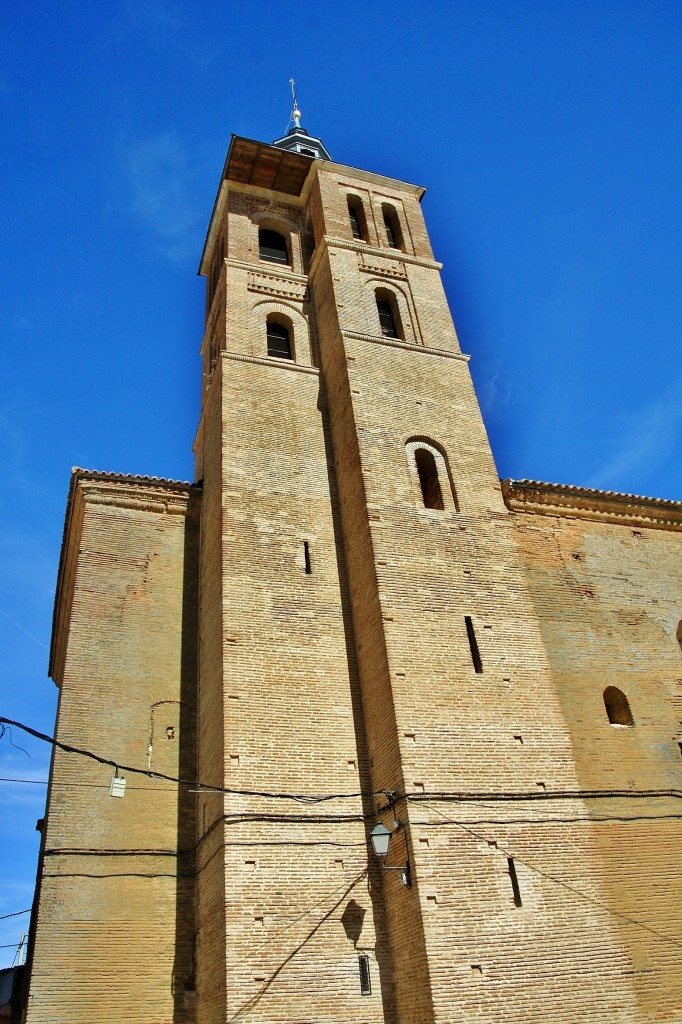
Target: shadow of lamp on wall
{"x":352,"y":920}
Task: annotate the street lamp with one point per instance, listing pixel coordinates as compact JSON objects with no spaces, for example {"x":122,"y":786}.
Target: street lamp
{"x":381,"y":838}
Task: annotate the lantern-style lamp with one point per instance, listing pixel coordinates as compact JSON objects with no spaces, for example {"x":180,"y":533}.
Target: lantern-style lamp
{"x":381,"y":838}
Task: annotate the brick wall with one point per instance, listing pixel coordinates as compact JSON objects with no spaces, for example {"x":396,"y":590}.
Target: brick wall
{"x":353,"y":641}
{"x":594,"y":934}
{"x":118,"y":874}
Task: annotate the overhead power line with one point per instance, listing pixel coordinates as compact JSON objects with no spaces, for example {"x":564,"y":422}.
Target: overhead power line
{"x":17,"y":913}
{"x":132,"y":770}
{"x":392,"y":797}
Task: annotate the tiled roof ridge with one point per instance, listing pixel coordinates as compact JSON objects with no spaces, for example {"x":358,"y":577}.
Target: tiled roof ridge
{"x":591,"y":491}
{"x":160,"y":481}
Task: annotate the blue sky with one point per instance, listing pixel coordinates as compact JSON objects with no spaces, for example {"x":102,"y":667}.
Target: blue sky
{"x":549,"y":135}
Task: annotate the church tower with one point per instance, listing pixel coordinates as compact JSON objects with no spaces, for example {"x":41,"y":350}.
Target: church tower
{"x":347,"y":625}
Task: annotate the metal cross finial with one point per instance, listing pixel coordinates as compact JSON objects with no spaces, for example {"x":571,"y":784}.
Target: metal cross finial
{"x":295,"y":113}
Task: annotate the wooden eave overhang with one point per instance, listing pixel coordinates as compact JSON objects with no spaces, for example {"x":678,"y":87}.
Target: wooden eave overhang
{"x":261,"y":168}
{"x":585,"y":503}
{"x":267,"y":167}
{"x":137,"y":492}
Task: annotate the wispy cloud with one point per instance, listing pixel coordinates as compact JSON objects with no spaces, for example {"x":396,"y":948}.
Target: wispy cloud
{"x":24,"y":630}
{"x":648,"y":436}
{"x":495,"y":393}
{"x":160,"y":175}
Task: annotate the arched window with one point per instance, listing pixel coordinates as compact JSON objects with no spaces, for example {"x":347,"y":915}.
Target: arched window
{"x":272,"y":246}
{"x":356,"y":215}
{"x":394,"y":235}
{"x":679,"y":634}
{"x":432,"y":483}
{"x":427,"y":471}
{"x":617,"y":707}
{"x":279,"y":339}
{"x":389,"y":317}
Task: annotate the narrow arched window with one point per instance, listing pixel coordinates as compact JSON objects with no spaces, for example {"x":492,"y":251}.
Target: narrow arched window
{"x":679,"y":634}
{"x":427,"y":472}
{"x":356,"y":215}
{"x":389,"y":316}
{"x":279,"y":340}
{"x":394,"y":235}
{"x":617,"y":707}
{"x":386,"y":319}
{"x":272,"y":246}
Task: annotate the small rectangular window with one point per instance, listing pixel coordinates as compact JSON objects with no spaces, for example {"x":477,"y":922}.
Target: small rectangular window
{"x":473,"y":644}
{"x":514,"y":881}
{"x":365,"y":980}
{"x":306,"y":556}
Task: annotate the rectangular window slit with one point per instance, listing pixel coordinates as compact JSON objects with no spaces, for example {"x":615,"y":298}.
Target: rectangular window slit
{"x":306,"y":555}
{"x":473,"y":645}
{"x":514,"y":881}
{"x":365,"y":980}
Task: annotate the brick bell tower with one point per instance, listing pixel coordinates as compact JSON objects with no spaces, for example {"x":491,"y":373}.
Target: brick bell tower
{"x":345,"y":470}
{"x":347,"y":622}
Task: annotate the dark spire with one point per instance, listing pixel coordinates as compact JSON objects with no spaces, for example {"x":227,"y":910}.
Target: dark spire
{"x":297,"y":139}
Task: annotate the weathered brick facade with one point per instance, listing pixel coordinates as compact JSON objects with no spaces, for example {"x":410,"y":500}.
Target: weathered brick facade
{"x":349,"y":605}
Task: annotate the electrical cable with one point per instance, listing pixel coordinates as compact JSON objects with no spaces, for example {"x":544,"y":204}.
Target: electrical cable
{"x":565,"y":885}
{"x":17,"y":913}
{"x":589,"y":819}
{"x":27,"y":782}
{"x":131,"y":770}
{"x":443,"y":795}
{"x":543,"y":794}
